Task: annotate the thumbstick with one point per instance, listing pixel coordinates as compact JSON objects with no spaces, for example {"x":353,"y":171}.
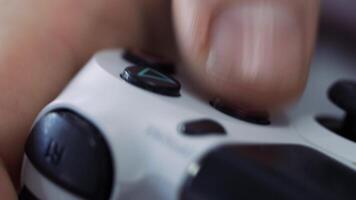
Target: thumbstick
{"x":343,"y":94}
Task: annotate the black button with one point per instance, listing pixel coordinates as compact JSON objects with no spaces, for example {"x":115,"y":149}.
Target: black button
{"x":152,"y":80}
{"x":71,"y":152}
{"x":261,"y":118}
{"x":343,"y":94}
{"x":202,"y":127}
{"x":148,"y":60}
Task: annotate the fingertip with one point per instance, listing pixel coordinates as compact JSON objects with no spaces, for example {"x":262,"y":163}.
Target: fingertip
{"x":249,"y":95}
{"x":256,"y":53}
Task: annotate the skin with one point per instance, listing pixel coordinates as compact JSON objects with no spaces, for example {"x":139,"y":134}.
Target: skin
{"x":234,"y":50}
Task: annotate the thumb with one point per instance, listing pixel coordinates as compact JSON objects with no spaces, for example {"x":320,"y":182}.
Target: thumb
{"x":250,"y":53}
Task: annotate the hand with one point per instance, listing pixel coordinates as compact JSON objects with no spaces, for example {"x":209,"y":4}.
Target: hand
{"x":252,"y":53}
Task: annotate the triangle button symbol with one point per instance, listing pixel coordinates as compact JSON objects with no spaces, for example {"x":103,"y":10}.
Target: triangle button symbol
{"x":153,"y":74}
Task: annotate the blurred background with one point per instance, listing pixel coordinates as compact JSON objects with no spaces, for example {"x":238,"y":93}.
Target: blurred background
{"x":338,"y":21}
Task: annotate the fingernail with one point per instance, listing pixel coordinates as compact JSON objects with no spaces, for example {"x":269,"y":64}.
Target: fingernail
{"x":256,"y":43}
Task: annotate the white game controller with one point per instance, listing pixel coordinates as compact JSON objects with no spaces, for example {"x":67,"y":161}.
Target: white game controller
{"x":122,"y":130}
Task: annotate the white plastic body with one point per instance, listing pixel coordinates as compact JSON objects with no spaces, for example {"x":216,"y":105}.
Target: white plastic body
{"x":152,"y":158}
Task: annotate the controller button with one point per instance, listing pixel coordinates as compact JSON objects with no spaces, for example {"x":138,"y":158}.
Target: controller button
{"x":72,"y":153}
{"x":343,"y":94}
{"x":260,"y":118}
{"x":202,"y":127}
{"x":148,"y":60}
{"x":152,"y":80}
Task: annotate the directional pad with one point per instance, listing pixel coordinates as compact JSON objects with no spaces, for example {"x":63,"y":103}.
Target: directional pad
{"x":152,"y":80}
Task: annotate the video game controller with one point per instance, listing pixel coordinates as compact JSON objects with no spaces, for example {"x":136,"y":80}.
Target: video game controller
{"x":124,"y":128}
